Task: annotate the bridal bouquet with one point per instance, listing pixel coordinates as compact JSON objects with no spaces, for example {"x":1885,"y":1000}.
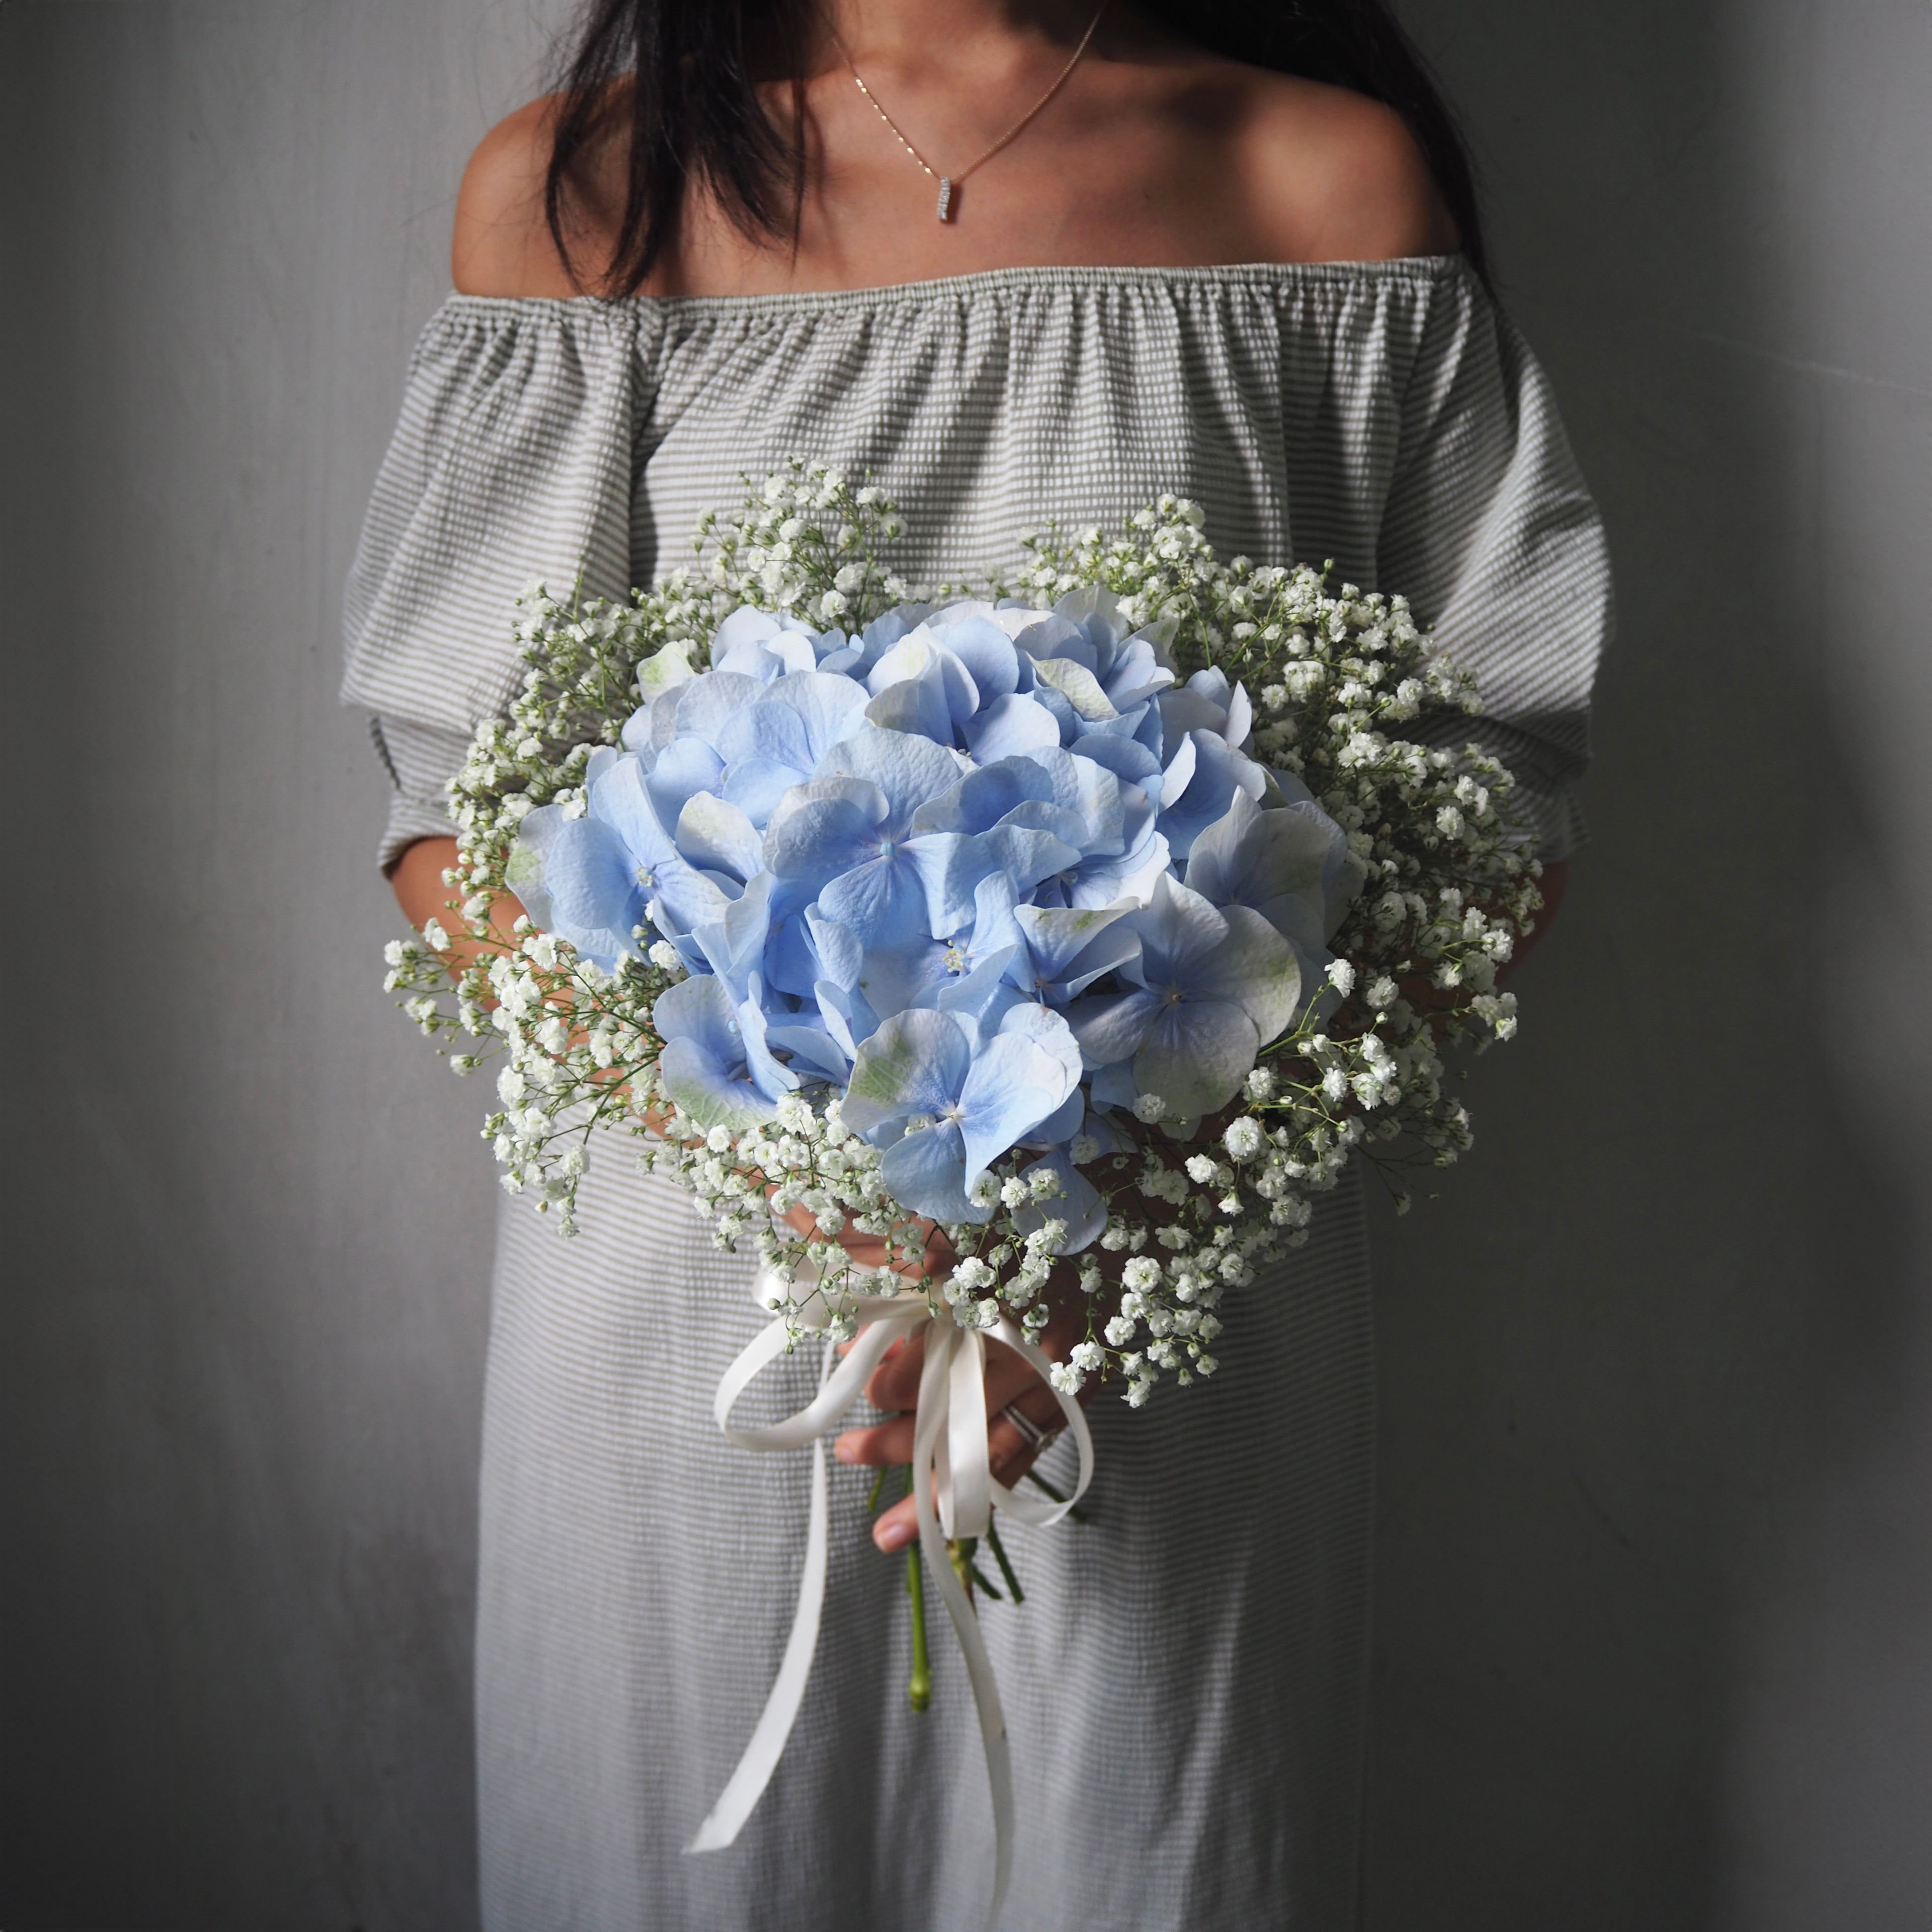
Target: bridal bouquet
{"x":1096,"y":919}
{"x":909,"y":908}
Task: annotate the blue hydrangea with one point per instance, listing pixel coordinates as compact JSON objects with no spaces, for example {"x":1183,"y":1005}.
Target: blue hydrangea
{"x":977,"y":870}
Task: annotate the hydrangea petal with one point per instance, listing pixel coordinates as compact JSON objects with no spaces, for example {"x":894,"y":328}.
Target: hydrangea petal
{"x":917,"y":705}
{"x":1254,"y":968}
{"x":1011,"y":1085}
{"x":916,"y":1063}
{"x":590,"y":878}
{"x":987,"y":652}
{"x":926,"y":1170}
{"x":710,"y":1094}
{"x":1080,"y":1207}
{"x":713,"y":833}
{"x":908,"y":769}
{"x":1196,"y":1054}
{"x":1014,"y":724}
{"x":1110,"y":1027}
{"x":685,"y":767}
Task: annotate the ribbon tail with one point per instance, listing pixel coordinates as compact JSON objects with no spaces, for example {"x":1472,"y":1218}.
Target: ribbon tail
{"x":934,"y":1422}
{"x":746,"y":1785}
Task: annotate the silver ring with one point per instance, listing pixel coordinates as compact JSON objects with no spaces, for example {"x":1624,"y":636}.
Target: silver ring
{"x":1035,"y":1438}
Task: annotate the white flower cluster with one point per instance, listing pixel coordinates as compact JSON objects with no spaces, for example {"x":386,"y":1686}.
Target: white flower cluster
{"x":1351,"y":694}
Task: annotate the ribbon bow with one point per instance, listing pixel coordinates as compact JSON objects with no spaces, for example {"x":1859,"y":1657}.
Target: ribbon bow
{"x":955,"y":1493}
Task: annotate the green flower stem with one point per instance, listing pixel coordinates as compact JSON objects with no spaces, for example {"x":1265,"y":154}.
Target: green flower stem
{"x":1039,"y":1482}
{"x":999,"y":1550}
{"x":985,"y":1582}
{"x":961,"y":1550}
{"x":920,"y":1689}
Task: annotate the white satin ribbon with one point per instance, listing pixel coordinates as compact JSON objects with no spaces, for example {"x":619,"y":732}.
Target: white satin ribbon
{"x":955,"y":1494}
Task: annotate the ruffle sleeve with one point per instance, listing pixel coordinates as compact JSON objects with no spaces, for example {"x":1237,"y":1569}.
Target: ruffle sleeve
{"x":1490,"y":531}
{"x":513,"y":460}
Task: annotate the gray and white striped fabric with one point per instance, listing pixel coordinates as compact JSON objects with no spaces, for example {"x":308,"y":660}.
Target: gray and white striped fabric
{"x":1186,"y":1681}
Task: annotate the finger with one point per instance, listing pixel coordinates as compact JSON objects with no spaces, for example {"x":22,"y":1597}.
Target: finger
{"x":894,"y":1384}
{"x":897,"y":1526}
{"x":882,"y":1443}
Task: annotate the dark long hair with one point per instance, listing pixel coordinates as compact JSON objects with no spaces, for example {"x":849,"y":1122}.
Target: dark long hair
{"x":690,"y":112}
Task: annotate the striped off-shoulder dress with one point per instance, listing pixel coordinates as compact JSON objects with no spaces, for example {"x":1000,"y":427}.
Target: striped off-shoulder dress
{"x":1185,"y":1683}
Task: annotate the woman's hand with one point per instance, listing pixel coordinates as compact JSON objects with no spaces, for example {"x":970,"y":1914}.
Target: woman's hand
{"x":1010,"y":1381}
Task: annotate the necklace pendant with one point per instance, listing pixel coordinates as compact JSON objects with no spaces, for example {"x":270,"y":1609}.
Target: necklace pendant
{"x":946,"y":198}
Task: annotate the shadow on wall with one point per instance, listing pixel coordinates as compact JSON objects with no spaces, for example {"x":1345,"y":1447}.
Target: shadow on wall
{"x":1654,"y":1621}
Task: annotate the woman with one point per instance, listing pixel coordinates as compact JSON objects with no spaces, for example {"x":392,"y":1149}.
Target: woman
{"x":1229,"y":270}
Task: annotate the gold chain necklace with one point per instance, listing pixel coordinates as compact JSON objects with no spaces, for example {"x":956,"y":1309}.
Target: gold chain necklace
{"x":947,"y":183}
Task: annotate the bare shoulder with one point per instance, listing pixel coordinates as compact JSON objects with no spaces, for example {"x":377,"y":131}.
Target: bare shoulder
{"x":502,"y":245}
{"x":1329,"y":175}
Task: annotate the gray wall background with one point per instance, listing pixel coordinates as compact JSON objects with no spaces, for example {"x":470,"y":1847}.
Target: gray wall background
{"x":1655,"y":1641}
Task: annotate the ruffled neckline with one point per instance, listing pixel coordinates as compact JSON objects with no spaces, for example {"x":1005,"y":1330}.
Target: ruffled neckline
{"x":992,"y":284}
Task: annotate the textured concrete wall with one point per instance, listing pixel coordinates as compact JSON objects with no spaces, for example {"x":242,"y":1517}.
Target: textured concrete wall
{"x":1656,"y":1618}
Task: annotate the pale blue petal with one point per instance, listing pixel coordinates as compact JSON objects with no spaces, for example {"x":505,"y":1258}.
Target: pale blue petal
{"x":1012,"y":1086}
{"x":707,"y":704}
{"x":761,"y":663}
{"x":1116,"y":950}
{"x":770,"y":1075}
{"x":1219,"y":772}
{"x":1240,"y":723}
{"x":701,"y":1011}
{"x":823,"y":838}
{"x":882,"y":900}
{"x":1055,"y":936}
{"x":771,"y":730}
{"x":715,"y":835}
{"x":685,"y":766}
{"x":735,"y":943}
{"x":908,"y":769}
{"x":1077,"y":686}
{"x":591,"y":884}
{"x":1196,"y":1054}
{"x":919,"y":655}
{"x":848,"y":1016}
{"x":829,"y":709}
{"x":925,"y":1172}
{"x":1016,"y":724}
{"x":987,"y":652}
{"x":1081,"y":1206}
{"x":911,"y":974}
{"x":916,"y":1063}
{"x":975,"y":995}
{"x":984,"y":796}
{"x":524,"y":874}
{"x":1049,"y":1032}
{"x":747,"y":625}
{"x":1111,"y":1027}
{"x":620,"y":798}
{"x":792,"y":960}
{"x":815,"y":1047}
{"x":838,"y":946}
{"x":1062,"y":1124}
{"x":918,"y":705}
{"x":1026,"y":856}
{"x":1178,"y":772}
{"x":860,"y":792}
{"x":714,"y":1098}
{"x":1254,"y":967}
{"x":758,"y":787}
{"x":1178,"y":930}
